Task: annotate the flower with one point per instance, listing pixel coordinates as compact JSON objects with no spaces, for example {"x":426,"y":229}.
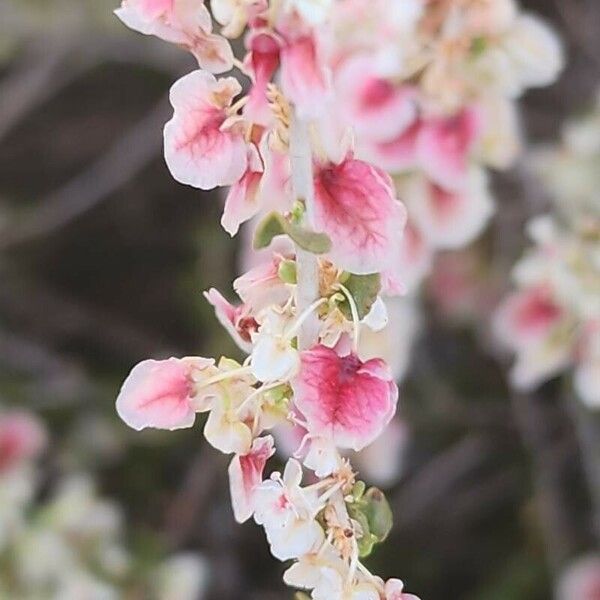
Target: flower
{"x":204,"y":148}
{"x":245,"y":474}
{"x":344,"y":399}
{"x":160,"y":394}
{"x":394,"y":590}
{"x":355,"y":205}
{"x":287,"y":513}
{"x":180,"y":22}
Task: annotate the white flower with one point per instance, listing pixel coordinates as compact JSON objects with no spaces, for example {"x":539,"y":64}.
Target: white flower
{"x":287,"y":512}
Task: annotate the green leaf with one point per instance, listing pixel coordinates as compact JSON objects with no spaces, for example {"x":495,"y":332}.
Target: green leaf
{"x":275,"y":224}
{"x":378,"y":513}
{"x":301,"y":596}
{"x":271,"y":226}
{"x":364,"y":289}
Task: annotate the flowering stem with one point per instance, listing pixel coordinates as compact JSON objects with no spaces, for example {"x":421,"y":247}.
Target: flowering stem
{"x":307,"y":288}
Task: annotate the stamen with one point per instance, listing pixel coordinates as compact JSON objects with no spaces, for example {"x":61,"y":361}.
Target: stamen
{"x":291,"y":334}
{"x":354,"y":311}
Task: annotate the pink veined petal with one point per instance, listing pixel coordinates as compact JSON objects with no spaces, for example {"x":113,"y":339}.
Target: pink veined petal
{"x":197,"y":149}
{"x":263,"y":61}
{"x":444,"y":146}
{"x":152,"y":18}
{"x":245,"y":473}
{"x":242,"y":202}
{"x":355,"y":206}
{"x":304,"y":78}
{"x":376,"y":108}
{"x":22,"y":437}
{"x":159,"y":394}
{"x":343,"y":399}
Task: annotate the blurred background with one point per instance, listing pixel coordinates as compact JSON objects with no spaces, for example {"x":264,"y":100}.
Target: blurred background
{"x":103,"y":259}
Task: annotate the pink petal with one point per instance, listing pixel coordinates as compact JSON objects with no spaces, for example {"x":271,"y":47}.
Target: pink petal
{"x":452,"y":219}
{"x":263,"y":61}
{"x":242,"y":202}
{"x":245,"y":473}
{"x":304,"y":78}
{"x":236,"y":320}
{"x":22,"y":437}
{"x":159,"y":394}
{"x":261,"y":286}
{"x":444,"y":146}
{"x":355,"y":206}
{"x":198,"y":151}
{"x":343,"y":399}
{"x":213,"y":52}
{"x":399,"y":154}
{"x":376,"y":108}
{"x":526,"y":317}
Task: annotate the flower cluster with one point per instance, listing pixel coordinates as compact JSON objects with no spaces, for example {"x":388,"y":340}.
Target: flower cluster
{"x":552,"y":321}
{"x":430,"y":89}
{"x":332,"y":228}
{"x":70,"y":545}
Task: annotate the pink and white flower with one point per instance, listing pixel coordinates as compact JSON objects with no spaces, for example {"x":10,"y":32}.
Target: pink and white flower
{"x":160,"y":393}
{"x":343,"y":399}
{"x":356,"y":206}
{"x":245,"y":474}
{"x":204,"y":144}
{"x":444,"y":146}
{"x":180,"y":22}
{"x":394,"y":590}
{"x":287,"y":512}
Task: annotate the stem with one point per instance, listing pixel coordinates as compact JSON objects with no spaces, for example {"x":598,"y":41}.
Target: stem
{"x":307,"y":288}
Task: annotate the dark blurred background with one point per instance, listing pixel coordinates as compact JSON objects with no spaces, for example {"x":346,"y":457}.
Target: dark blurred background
{"x":103,"y":259}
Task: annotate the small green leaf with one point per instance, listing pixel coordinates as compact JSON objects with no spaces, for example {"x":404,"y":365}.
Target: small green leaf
{"x":358,"y":490}
{"x":315,"y":243}
{"x":275,"y":224}
{"x":271,"y":226}
{"x":364,"y":289}
{"x":378,"y":513}
{"x":301,"y":596}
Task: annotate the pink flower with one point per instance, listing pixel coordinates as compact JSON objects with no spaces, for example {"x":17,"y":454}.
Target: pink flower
{"x":203,"y":147}
{"x":243,"y":201}
{"x":444,"y":146}
{"x":304,"y":77}
{"x":22,"y":438}
{"x":581,"y":580}
{"x":237,"y":320}
{"x":245,"y":473}
{"x":160,"y":393}
{"x":355,"y":205}
{"x":262,"y":62}
{"x":180,"y":22}
{"x":450,"y":219}
{"x":343,"y":399}
{"x":376,"y":108}
{"x":526,"y":317}
{"x":261,"y":287}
